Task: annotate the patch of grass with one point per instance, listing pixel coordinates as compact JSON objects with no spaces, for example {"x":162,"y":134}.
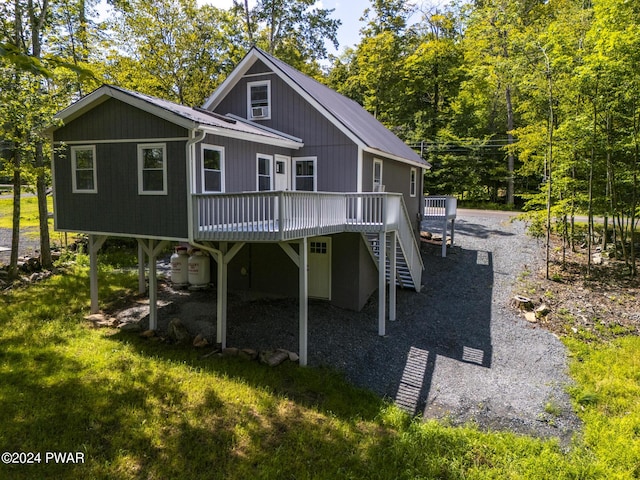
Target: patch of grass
{"x":607,"y":394}
{"x":139,"y":409}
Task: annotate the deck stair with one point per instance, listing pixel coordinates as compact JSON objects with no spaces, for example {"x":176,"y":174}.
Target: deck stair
{"x":402,"y":275}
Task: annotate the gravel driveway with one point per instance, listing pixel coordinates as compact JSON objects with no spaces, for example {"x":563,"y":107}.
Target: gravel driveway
{"x":458,"y":351}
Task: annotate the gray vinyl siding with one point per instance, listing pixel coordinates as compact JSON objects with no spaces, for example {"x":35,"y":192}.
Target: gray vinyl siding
{"x":290,"y":113}
{"x":354,"y":274}
{"x":114,"y":119}
{"x":117,"y":208}
{"x":396,"y":179}
{"x":240,"y":162}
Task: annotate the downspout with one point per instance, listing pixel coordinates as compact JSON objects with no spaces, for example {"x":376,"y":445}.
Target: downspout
{"x":190,"y":155}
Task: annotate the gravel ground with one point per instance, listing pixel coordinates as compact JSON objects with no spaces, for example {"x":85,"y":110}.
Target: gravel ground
{"x":457,"y":352}
{"x":28,"y":246}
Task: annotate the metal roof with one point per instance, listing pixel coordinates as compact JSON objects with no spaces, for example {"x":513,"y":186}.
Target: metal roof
{"x":349,"y":115}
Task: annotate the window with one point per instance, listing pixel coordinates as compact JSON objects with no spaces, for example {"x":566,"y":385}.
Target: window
{"x":305,"y":174}
{"x":259,"y":100}
{"x":318,"y":247}
{"x":212,"y":169}
{"x":265,"y":179}
{"x":377,"y":176}
{"x":152,"y":169}
{"x":83,"y":165}
{"x":412,"y":182}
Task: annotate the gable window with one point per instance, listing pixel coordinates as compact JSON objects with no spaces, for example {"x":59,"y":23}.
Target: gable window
{"x":152,"y":169}
{"x":305,"y":174}
{"x":83,"y":165}
{"x":377,"y":176}
{"x":259,"y":100}
{"x":212,"y":169}
{"x":413,"y":176}
{"x":265,"y":177}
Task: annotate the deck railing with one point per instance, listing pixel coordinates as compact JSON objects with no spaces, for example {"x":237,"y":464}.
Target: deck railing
{"x":440,"y":207}
{"x":281,"y":216}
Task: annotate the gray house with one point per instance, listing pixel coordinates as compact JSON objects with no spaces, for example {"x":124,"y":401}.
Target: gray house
{"x":292,"y":188}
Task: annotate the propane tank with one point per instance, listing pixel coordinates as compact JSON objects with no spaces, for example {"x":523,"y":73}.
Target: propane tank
{"x":180,"y":267}
{"x":199,"y":269}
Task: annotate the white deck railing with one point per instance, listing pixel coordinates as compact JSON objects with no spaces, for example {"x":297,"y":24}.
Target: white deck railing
{"x":440,"y":207}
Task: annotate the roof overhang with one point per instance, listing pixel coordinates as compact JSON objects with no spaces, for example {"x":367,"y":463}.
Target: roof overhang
{"x":381,"y":153}
{"x":252,"y":137}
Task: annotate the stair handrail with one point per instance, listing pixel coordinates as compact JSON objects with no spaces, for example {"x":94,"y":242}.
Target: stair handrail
{"x":407,"y":237}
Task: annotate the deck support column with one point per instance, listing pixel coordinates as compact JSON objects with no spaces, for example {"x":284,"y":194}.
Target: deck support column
{"x":223,"y":256}
{"x":95,"y":242}
{"x":392,"y":275}
{"x":303,"y":300}
{"x":444,"y":237}
{"x":142,"y":283}
{"x":382,"y":280}
{"x":152,"y":250}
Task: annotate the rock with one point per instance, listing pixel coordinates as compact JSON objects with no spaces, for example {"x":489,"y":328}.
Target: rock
{"x":200,"y":341}
{"x":542,"y":311}
{"x":130,"y":327}
{"x":426,"y":235}
{"x":230,"y":352}
{"x":597,"y":258}
{"x":248,"y":354}
{"x":273,"y":358}
{"x":522,"y":303}
{"x":530,"y":317}
{"x":178,"y":332}
{"x":148,"y":334}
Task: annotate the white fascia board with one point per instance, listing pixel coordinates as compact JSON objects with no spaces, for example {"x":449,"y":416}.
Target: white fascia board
{"x":264,"y":128}
{"x":123,"y":235}
{"x":397,"y":158}
{"x":246,"y":64}
{"x":251,"y":137}
{"x":103,"y":93}
{"x":225,"y":87}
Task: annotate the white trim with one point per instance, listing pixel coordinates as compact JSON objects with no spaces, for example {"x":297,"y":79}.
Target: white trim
{"x":270,"y":158}
{"x":250,"y":107}
{"x":413,"y":181}
{"x":74,"y":169}
{"x":360,"y":166}
{"x":122,"y":235}
{"x":251,"y":75}
{"x":376,"y":161}
{"x":265,"y":128}
{"x":217,"y":148}
{"x":252,"y":137}
{"x":121,"y":140}
{"x":294,"y":175}
{"x":144,"y":146}
{"x":397,"y":158}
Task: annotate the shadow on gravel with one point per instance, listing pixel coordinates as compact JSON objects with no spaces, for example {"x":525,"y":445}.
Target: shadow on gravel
{"x":479,"y":231}
{"x":451,"y":318}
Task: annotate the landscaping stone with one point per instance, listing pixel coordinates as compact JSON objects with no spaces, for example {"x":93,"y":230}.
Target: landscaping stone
{"x":178,"y":332}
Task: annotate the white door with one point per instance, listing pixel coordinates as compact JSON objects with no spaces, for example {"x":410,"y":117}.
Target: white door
{"x":282,"y":172}
{"x":320,"y":267}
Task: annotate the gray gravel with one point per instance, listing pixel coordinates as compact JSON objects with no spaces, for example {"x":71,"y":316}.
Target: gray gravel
{"x":457,"y":351}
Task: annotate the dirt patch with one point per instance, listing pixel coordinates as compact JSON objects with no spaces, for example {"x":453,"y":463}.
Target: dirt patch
{"x":595,"y":307}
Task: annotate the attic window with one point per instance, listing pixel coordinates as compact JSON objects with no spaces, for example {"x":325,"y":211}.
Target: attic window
{"x":259,"y":100}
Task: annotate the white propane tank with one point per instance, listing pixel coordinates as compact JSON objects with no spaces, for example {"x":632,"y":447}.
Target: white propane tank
{"x":180,"y":267}
{"x":199,"y":269}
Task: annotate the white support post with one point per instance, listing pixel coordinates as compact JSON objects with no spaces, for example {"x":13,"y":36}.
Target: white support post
{"x":444,"y":237}
{"x":153,"y":288}
{"x":142,"y":284}
{"x":392,"y":280}
{"x":453,"y":229}
{"x":221,"y":326}
{"x":95,"y":242}
{"x":303,"y":300}
{"x":382,"y":253}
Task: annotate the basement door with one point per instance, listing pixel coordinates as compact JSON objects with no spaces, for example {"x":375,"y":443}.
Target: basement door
{"x":320,"y":267}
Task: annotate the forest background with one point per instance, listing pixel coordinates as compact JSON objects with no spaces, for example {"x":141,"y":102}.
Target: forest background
{"x":525,"y":103}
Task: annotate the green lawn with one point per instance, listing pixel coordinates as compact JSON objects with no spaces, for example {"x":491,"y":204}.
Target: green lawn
{"x":138,"y":409}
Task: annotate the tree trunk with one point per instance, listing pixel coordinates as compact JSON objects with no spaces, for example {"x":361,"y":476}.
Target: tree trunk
{"x":15,"y":232}
{"x":510,"y":157}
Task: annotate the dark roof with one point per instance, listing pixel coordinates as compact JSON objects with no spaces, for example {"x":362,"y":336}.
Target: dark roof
{"x":189,"y":117}
{"x":348,"y":113}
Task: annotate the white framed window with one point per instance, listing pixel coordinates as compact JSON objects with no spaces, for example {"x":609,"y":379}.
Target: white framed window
{"x":83,"y":167}
{"x":259,"y":100}
{"x":413,"y":178}
{"x":377,"y":175}
{"x":304,"y":176}
{"x":265,"y":172}
{"x":212,"y":168}
{"x":152,"y":169}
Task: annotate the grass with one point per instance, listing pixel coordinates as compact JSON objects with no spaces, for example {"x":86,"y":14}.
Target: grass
{"x":139,"y":409}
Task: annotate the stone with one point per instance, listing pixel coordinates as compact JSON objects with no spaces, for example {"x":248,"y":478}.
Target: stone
{"x":200,"y":341}
{"x":178,"y":332}
{"x":542,"y":311}
{"x":530,"y":317}
{"x":230,"y":351}
{"x":130,"y":327}
{"x":148,"y":334}
{"x":597,"y":258}
{"x":522,"y":303}
{"x":273,"y":358}
{"x":248,"y":354}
